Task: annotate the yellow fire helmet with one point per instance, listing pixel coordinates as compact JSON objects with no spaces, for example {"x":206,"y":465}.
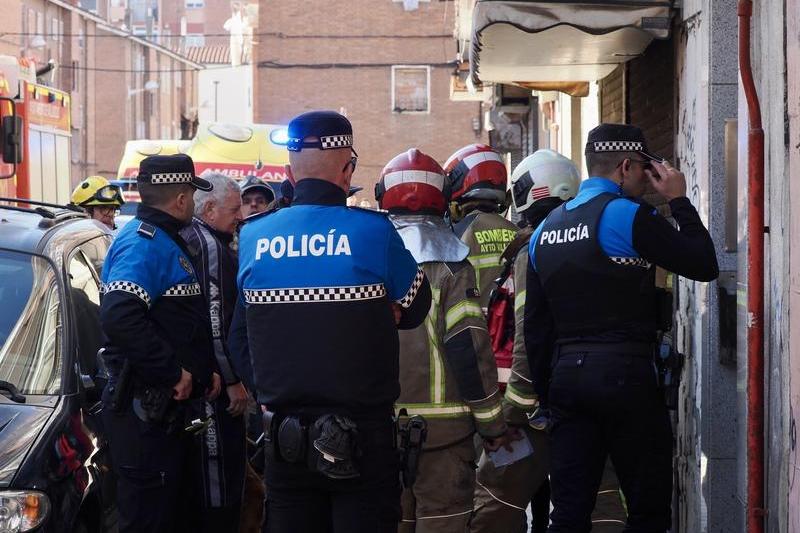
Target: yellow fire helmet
{"x":96,"y":190}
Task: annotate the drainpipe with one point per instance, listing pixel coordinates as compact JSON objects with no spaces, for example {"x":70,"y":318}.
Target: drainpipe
{"x":755,"y":280}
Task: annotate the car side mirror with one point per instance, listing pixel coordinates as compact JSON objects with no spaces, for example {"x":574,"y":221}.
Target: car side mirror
{"x":11,"y":129}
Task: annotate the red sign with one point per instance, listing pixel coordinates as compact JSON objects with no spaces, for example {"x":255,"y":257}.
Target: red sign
{"x":240,"y":172}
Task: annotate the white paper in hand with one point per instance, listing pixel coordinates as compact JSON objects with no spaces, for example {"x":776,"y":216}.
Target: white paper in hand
{"x":521,"y":449}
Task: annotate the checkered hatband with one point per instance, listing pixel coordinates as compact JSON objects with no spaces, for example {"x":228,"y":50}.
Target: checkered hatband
{"x":314,"y":294}
{"x":618,"y":146}
{"x":336,"y":141}
{"x":631,"y":261}
{"x":407,"y":300}
{"x":170,"y":178}
{"x":126,"y":286}
{"x":184,"y":289}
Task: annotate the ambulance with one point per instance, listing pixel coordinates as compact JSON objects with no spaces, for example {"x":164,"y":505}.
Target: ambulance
{"x":239,"y":151}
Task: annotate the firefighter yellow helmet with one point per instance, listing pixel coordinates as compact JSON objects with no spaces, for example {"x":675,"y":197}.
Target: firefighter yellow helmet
{"x":96,"y":190}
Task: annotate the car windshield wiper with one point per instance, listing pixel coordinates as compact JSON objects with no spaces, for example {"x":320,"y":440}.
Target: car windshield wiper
{"x":12,"y":390}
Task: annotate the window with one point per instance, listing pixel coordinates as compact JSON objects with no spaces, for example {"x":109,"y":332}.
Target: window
{"x":54,"y":34}
{"x":411,"y":89}
{"x":85,"y":297}
{"x":30,"y":324}
{"x":195,"y":4}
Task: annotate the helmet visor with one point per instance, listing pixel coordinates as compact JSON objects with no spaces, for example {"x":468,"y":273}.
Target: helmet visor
{"x":109,"y":194}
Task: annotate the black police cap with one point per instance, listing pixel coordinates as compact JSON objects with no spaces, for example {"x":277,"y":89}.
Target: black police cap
{"x":607,"y":138}
{"x":170,"y":170}
{"x":331,"y":130}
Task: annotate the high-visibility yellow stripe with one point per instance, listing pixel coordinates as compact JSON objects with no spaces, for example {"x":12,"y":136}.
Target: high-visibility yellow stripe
{"x":519,"y":300}
{"x":444,"y":410}
{"x":491,"y":413}
{"x":460,"y":311}
{"x":437,"y":377}
{"x":519,"y":398}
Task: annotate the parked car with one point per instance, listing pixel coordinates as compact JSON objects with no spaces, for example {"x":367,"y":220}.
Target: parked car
{"x":55,"y":470}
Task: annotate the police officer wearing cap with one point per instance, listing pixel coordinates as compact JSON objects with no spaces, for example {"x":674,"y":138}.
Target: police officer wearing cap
{"x":326,"y":287}
{"x":158,"y":350}
{"x":591,"y":288}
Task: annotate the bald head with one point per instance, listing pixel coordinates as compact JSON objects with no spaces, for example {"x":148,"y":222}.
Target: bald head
{"x":331,"y":165}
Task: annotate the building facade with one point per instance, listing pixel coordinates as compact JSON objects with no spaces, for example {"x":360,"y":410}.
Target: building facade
{"x":386,"y":65}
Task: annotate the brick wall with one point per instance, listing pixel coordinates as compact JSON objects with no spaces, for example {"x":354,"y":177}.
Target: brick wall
{"x":651,"y":96}
{"x":612,"y":92}
{"x":361,"y":84}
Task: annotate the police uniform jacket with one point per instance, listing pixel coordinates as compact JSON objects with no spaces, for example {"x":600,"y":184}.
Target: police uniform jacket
{"x":487,"y":235}
{"x":318,"y":280}
{"x":591,"y":267}
{"x":216,"y":265}
{"x":447,"y":368}
{"x":153,"y":313}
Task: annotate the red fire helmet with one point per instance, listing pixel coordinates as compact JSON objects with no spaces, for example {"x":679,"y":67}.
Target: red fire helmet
{"x":477,"y":172}
{"x":413,"y":182}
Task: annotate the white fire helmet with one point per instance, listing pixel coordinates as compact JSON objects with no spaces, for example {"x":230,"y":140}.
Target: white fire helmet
{"x":543,"y":174}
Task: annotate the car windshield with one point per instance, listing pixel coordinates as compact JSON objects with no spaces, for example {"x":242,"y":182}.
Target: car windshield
{"x":30,"y":324}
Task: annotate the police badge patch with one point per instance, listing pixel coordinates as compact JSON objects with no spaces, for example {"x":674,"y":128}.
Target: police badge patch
{"x":187,"y":266}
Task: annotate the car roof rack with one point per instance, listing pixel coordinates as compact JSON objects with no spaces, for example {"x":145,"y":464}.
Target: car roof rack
{"x":49,"y":216}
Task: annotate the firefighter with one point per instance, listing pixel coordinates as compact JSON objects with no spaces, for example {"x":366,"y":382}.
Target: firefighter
{"x":447,"y":370}
{"x":322,"y":284}
{"x":592,"y":308}
{"x":478,"y":176}
{"x":99,"y":198}
{"x":222,"y":447}
{"x":541,"y":182}
{"x":158,"y":350}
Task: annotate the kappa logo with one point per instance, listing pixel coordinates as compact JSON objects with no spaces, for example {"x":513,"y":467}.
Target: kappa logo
{"x":185,"y":264}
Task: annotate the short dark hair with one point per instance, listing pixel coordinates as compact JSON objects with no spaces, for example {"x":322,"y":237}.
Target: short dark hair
{"x":605,"y":163}
{"x":159,"y":195}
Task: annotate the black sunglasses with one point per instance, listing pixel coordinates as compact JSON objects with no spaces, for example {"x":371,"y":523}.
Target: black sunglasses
{"x":353,"y":161}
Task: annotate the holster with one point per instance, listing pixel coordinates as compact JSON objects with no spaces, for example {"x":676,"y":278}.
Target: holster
{"x":669,"y":363}
{"x":412,"y":437}
{"x":155,"y":405}
{"x":270,"y":440}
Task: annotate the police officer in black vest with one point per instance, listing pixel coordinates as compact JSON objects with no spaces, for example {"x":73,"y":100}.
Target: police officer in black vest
{"x":591,"y":305}
{"x":325,"y":288}
{"x":158,"y":351}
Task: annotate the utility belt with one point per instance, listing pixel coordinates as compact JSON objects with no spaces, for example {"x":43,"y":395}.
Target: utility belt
{"x":328,"y":444}
{"x":640,"y":349}
{"x":153,"y":404}
{"x":667,"y":360}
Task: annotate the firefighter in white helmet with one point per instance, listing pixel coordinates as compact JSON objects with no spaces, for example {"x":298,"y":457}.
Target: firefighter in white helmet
{"x":447,"y":371}
{"x":541,"y":182}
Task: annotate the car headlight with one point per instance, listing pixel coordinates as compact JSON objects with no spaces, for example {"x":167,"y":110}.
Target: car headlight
{"x":22,"y":510}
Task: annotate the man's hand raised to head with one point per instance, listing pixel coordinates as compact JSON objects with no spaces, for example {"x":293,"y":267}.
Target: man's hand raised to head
{"x":668,"y":181}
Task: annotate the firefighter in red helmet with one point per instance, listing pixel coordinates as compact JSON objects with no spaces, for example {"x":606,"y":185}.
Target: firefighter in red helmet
{"x":448,"y":377}
{"x":478,"y":178}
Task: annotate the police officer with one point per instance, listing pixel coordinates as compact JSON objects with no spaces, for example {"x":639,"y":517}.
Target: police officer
{"x":447,"y":369}
{"x":322,"y":284}
{"x":478,"y":176}
{"x":158,"y":349}
{"x":100,"y":198}
{"x":541,"y":182}
{"x":222,"y":447}
{"x":592,"y":277}
{"x":256,"y":196}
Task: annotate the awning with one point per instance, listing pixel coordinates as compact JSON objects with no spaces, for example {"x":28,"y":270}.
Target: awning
{"x":523,"y":42}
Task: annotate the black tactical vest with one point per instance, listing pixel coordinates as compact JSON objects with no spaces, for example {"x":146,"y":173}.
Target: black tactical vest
{"x":593,"y":297}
